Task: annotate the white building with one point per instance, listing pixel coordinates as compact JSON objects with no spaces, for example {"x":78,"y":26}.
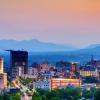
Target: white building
{"x":3,"y":76}
{"x":3,"y":81}
{"x":1,"y":65}
{"x":45,"y":84}
{"x":20,"y":71}
{"x":32,"y":71}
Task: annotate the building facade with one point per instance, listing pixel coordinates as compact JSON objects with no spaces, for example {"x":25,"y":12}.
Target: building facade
{"x":3,"y":81}
{"x":42,"y":84}
{"x":89,"y":71}
{"x":63,"y":82}
{"x":3,"y":76}
{"x":1,"y":65}
{"x":18,"y":59}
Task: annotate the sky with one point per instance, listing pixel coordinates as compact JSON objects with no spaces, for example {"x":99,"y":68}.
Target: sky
{"x":74,"y":22}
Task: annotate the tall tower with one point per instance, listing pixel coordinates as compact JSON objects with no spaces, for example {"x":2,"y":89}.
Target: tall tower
{"x":3,"y":76}
{"x":18,"y":59}
{"x":1,"y":65}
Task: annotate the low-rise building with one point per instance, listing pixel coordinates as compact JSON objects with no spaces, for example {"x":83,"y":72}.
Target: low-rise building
{"x":89,"y":71}
{"x":46,"y":74}
{"x":64,"y":82}
{"x":41,"y":84}
{"x":32,"y":71}
{"x":44,"y":67}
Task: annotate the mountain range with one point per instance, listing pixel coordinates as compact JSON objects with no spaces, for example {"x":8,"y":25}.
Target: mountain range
{"x":39,"y":51}
{"x":90,"y":50}
{"x":33,"y":45}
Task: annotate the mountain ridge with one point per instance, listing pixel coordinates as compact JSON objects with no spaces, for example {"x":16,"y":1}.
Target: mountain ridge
{"x":33,"y":45}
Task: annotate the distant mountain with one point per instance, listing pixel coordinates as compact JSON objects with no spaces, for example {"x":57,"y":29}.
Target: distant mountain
{"x":33,"y":46}
{"x":93,"y":46}
{"x":92,"y":49}
{"x":40,"y":51}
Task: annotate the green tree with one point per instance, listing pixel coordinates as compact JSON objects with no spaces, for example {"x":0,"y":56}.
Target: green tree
{"x":44,"y":97}
{"x":51,"y":94}
{"x":36,"y":96}
{"x":87,"y":94}
{"x":97,"y":95}
{"x":1,"y":97}
{"x":17,"y":96}
{"x":71,"y":93}
{"x":42,"y":92}
{"x":55,"y":98}
{"x":58,"y":94}
{"x":7,"y":97}
{"x":25,"y":81}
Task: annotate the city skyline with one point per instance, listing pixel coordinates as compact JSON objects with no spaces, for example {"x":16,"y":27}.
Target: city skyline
{"x":74,"y":22}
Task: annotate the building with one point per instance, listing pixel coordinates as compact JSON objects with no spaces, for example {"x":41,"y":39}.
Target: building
{"x":18,"y":59}
{"x":64,"y":82}
{"x":3,"y":81}
{"x":46,"y":74}
{"x":63,"y":66}
{"x":1,"y":65}
{"x":93,"y":62}
{"x":89,"y":71}
{"x":32,"y":71}
{"x":42,"y":84}
{"x":3,"y":76}
{"x":98,"y":71}
{"x":74,"y":68}
{"x":60,"y":74}
{"x":44,"y":67}
{"x":20,"y":71}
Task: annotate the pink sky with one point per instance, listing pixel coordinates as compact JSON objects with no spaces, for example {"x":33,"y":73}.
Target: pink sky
{"x":75,"y":22}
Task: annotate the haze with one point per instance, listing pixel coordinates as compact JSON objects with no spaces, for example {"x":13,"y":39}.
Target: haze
{"x":75,"y":22}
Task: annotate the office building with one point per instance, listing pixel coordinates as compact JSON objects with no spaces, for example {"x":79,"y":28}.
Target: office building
{"x":3,"y":81}
{"x":18,"y":59}
{"x":64,"y":82}
{"x":1,"y":65}
{"x":89,"y":71}
{"x":3,"y":76}
{"x":41,"y":84}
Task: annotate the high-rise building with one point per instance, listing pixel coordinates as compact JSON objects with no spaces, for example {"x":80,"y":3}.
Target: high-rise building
{"x":74,"y":69}
{"x":18,"y":59}
{"x":3,"y":80}
{"x":3,"y":76}
{"x":1,"y":65}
